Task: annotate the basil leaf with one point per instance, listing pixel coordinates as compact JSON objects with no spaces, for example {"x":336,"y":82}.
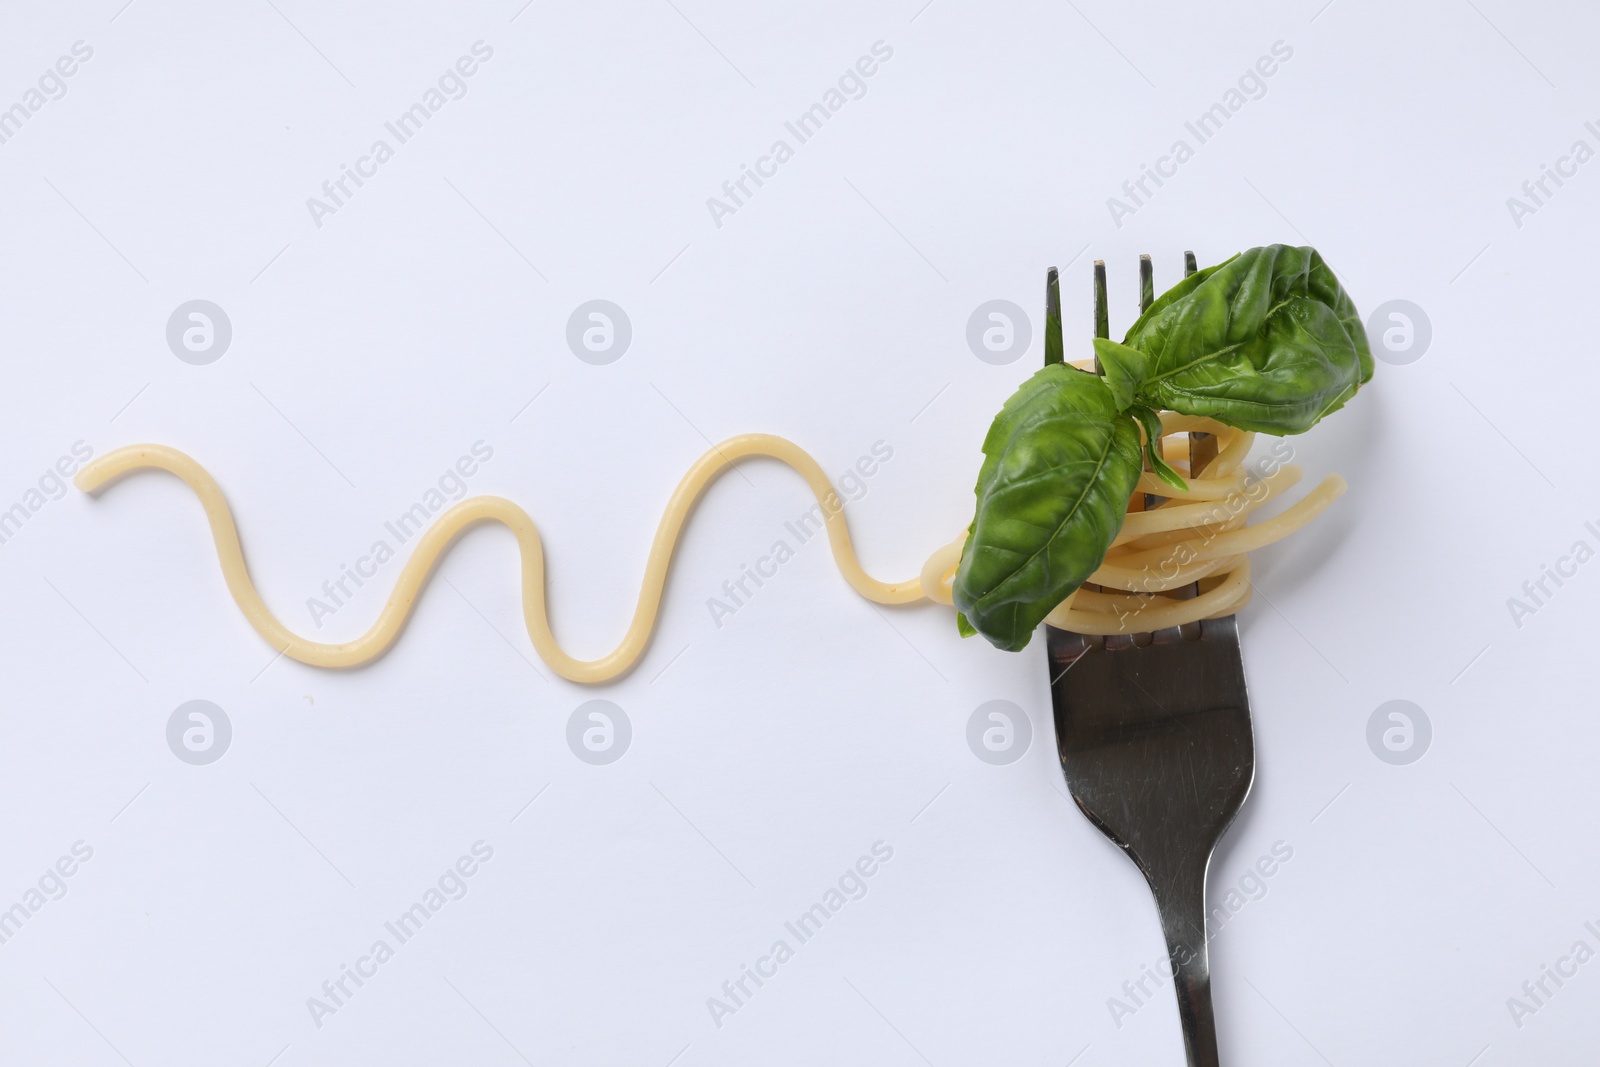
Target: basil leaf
{"x":1059,"y":465}
{"x":1266,"y":341}
{"x":1151,"y":420}
{"x":1124,"y":370}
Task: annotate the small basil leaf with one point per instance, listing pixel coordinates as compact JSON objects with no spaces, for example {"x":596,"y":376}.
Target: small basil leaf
{"x":1124,"y":370}
{"x":963,"y":627}
{"x":1059,"y":465}
{"x":1152,"y":447}
{"x":1266,"y":341}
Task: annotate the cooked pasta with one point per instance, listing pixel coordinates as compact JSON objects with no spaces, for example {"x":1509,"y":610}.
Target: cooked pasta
{"x":1199,"y":534}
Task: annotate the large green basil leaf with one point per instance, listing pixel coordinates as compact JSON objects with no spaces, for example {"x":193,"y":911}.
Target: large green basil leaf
{"x":1059,"y":465}
{"x":1266,"y":341}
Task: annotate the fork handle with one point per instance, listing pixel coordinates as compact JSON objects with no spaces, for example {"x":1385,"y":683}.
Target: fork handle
{"x":1181,"y":901}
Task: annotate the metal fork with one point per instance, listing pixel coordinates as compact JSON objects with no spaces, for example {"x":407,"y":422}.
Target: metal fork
{"x":1154,"y":736}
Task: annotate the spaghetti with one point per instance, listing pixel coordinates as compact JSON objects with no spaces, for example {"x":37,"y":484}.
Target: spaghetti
{"x":1192,"y":535}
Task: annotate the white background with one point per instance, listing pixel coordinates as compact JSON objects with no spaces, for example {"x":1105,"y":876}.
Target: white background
{"x":772,"y":751}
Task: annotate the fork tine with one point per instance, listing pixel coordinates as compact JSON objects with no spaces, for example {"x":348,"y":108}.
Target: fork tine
{"x":1102,"y":318}
{"x":1202,"y":446}
{"x":1147,"y":296}
{"x":1054,"y":351}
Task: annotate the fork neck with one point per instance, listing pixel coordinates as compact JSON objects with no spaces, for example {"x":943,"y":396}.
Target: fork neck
{"x":1180,"y":899}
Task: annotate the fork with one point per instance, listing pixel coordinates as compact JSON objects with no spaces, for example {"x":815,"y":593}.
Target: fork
{"x":1154,"y":736}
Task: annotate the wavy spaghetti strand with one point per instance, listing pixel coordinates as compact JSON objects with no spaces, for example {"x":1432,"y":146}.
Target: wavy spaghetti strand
{"x":1198,"y":534}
